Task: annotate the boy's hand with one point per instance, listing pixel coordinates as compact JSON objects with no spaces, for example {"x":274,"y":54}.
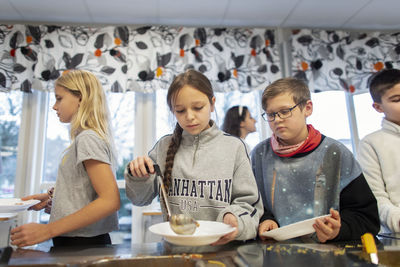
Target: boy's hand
{"x":265,"y":226}
{"x":230,"y":219}
{"x":328,"y":228}
{"x":141,"y":167}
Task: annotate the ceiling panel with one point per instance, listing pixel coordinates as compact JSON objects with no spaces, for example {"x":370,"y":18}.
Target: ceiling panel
{"x":192,"y":13}
{"x":325,"y":14}
{"x":258,"y":13}
{"x":334,"y":14}
{"x":124,"y":11}
{"x":51,"y":11}
{"x":379,"y":14}
{"x":7,"y":12}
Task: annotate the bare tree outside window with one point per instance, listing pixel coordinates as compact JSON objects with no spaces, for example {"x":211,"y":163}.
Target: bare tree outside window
{"x":10,"y":120}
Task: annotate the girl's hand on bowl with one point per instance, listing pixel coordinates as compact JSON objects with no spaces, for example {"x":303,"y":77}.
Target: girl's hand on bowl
{"x":230,"y":219}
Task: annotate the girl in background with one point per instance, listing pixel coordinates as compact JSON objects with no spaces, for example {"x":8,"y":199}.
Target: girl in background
{"x":86,"y":197}
{"x":239,"y":122}
{"x":207,"y":173}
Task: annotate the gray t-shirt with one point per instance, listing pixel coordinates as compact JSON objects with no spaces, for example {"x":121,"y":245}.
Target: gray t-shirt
{"x":74,"y":190}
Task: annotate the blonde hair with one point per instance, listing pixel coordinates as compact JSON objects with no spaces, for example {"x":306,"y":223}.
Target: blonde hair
{"x":296,"y":87}
{"x":93,"y":111}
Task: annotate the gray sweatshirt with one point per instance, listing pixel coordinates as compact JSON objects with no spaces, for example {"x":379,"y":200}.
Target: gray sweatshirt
{"x":211,"y":176}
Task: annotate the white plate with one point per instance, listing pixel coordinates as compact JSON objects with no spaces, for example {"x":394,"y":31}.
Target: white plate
{"x":294,"y":230}
{"x":7,"y":216}
{"x":8,"y":205}
{"x":208,"y":232}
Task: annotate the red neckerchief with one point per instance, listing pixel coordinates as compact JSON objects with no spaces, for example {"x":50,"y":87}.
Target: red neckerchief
{"x":312,"y":141}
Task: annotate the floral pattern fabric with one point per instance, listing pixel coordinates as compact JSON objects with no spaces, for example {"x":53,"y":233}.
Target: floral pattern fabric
{"x":339,"y":60}
{"x":140,"y":59}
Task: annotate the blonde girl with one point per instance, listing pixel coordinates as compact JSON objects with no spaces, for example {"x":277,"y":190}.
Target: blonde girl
{"x":207,"y":172}
{"x":86,"y":197}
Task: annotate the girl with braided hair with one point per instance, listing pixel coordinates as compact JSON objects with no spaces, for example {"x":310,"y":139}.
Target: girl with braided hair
{"x":207,"y":173}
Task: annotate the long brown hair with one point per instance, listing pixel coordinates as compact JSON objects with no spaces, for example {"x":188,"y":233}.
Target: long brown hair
{"x":198,"y":81}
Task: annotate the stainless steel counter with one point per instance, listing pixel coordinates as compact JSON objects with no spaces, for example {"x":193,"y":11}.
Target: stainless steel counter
{"x":296,"y":252}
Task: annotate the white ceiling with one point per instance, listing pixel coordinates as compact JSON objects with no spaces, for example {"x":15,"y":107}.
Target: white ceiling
{"x":327,"y":14}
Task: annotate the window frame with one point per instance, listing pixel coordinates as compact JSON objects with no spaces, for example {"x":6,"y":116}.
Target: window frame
{"x":32,"y":135}
{"x":31,"y":143}
{"x":31,"y":140}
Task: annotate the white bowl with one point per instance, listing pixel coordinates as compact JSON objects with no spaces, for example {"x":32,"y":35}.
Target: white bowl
{"x":208,"y":232}
{"x":294,"y":230}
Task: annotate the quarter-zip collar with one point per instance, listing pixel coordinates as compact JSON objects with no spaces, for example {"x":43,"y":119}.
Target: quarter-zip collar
{"x":202,"y":138}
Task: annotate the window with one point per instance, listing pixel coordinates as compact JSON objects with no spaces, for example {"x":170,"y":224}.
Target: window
{"x":165,"y":121}
{"x":135,"y":115}
{"x":368,"y":119}
{"x":57,"y":140}
{"x":252,"y":100}
{"x":122,"y":112}
{"x":330,"y":116}
{"x":10,"y":113}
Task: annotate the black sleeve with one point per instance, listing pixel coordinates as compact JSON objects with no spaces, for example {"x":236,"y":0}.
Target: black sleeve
{"x":358,"y":211}
{"x":268,"y":215}
{"x":257,"y":170}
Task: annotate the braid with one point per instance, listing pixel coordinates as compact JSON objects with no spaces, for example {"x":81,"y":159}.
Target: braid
{"x":172,"y":149}
{"x":201,"y":83}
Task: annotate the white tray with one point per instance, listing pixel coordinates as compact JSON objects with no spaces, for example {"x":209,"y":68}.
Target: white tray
{"x":10,"y":205}
{"x":294,"y":230}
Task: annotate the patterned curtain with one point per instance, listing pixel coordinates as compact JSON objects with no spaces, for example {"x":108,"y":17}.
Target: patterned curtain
{"x":338,"y":60}
{"x":140,"y":59}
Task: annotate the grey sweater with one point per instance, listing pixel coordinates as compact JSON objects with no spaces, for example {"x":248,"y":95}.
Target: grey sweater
{"x":211,"y":176}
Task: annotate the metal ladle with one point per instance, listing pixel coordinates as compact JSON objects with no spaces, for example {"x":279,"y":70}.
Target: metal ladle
{"x":181,"y":224}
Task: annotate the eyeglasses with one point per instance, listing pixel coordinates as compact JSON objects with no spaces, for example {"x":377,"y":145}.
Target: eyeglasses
{"x":283,"y":113}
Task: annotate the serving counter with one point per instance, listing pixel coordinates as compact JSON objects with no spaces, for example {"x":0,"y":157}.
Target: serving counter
{"x":295,"y":252}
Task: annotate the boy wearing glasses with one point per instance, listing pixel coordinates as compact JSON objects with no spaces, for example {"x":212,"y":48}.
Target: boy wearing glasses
{"x":379,"y":151}
{"x":302,"y":174}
